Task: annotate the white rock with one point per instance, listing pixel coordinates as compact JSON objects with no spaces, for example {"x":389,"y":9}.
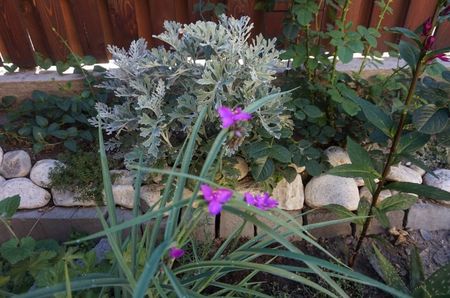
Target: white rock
{"x":359,"y":181}
{"x":419,"y":170}
{"x":122,"y":177}
{"x":40,"y":173}
{"x":290,"y":196}
{"x":242,"y":167}
{"x":15,"y":164}
{"x":67,"y":199}
{"x":364,"y":193}
{"x":337,"y":156}
{"x":401,"y":173}
{"x":297,"y":168}
{"x":1,"y":155}
{"x":327,"y":189}
{"x":151,"y":194}
{"x":2,"y":179}
{"x":31,"y":195}
{"x":123,"y":195}
{"x":442,"y":181}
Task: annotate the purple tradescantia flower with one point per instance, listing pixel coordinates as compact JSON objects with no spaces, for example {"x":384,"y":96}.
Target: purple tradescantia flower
{"x":230,"y":117}
{"x":175,"y":252}
{"x":429,"y":42}
{"x":215,"y":198}
{"x":427,"y":26}
{"x":263,"y":202}
{"x":442,"y":57}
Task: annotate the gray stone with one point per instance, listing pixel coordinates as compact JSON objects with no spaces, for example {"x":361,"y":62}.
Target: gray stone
{"x":40,"y":173}
{"x":31,"y":195}
{"x":101,"y":249}
{"x":295,"y":215}
{"x":401,"y":173}
{"x":327,"y":189}
{"x":428,"y":216}
{"x":337,"y":156}
{"x":290,"y":196}
{"x":395,"y":220}
{"x":419,"y":170}
{"x":364,"y":193}
{"x":1,"y":156}
{"x":65,"y":198}
{"x":328,"y":231}
{"x":441,"y":181}
{"x":15,"y":164}
{"x":123,"y":195}
{"x":2,"y":179}
{"x":205,"y":230}
{"x":122,"y":177}
{"x":230,"y":222}
{"x":242,"y":167}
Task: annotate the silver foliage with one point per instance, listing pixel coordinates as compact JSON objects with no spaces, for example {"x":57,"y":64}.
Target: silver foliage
{"x":161,"y":90}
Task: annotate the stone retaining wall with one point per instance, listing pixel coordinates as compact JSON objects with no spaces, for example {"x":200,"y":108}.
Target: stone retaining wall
{"x":49,"y":213}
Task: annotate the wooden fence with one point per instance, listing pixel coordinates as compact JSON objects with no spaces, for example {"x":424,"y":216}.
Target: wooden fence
{"x":28,"y":26}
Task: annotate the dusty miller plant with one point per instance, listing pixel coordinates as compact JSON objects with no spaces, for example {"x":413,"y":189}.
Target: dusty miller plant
{"x":161,"y":90}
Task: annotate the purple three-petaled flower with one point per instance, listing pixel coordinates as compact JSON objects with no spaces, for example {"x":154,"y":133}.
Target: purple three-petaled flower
{"x":175,"y":252}
{"x":215,"y":198}
{"x":262,"y":201}
{"x":427,"y":26}
{"x":230,"y":117}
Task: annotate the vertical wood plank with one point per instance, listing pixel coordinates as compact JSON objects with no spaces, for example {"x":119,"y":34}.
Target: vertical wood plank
{"x":56,"y":16}
{"x":443,"y":36}
{"x":89,"y":28}
{"x":34,"y":27}
{"x":181,"y":11}
{"x":400,"y":9}
{"x":144,"y":24}
{"x":105,"y":23}
{"x":238,"y":8}
{"x":160,"y":11}
{"x":359,"y":13}
{"x":3,"y":50}
{"x":122,"y":14}
{"x":14,"y":34}
{"x":418,"y":11}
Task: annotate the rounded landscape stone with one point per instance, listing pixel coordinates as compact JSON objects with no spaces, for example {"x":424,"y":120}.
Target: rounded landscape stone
{"x":364,"y":193}
{"x":401,"y":173}
{"x":441,"y":180}
{"x":65,"y":198}
{"x":122,"y":177}
{"x":2,"y":179}
{"x":328,"y":189}
{"x":40,"y":173}
{"x":242,"y":167}
{"x":290,"y":196}
{"x":31,"y":195}
{"x":1,"y":155}
{"x":337,"y":156}
{"x":15,"y":164}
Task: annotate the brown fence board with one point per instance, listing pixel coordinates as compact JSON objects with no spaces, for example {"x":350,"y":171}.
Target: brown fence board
{"x":161,"y":11}
{"x":143,"y":21}
{"x":390,"y":20}
{"x":56,"y":29}
{"x":34,"y":27}
{"x":89,"y":27}
{"x":14,"y":35}
{"x":123,"y":20}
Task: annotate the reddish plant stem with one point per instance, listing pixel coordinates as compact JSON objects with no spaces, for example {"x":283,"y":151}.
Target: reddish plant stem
{"x":409,"y":98}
